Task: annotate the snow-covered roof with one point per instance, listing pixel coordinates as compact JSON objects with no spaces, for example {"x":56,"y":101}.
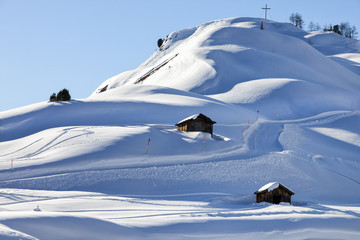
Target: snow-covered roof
{"x":271,"y":186}
{"x":195,"y":116}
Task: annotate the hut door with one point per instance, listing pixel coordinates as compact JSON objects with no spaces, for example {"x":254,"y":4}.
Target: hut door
{"x":276,"y":199}
{"x":198,"y":126}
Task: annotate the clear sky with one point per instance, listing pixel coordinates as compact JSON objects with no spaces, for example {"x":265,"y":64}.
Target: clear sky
{"x":48,"y":45}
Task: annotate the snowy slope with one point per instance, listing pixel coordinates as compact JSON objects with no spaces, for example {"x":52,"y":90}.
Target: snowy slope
{"x":136,"y":105}
{"x":128,"y":171}
{"x":87,"y":215}
{"x":228,"y":59}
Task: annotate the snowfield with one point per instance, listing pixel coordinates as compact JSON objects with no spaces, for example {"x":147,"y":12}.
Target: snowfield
{"x":81,"y":215}
{"x":287,"y":109}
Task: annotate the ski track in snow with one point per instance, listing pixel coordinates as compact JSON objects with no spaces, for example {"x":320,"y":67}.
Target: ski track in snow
{"x":161,"y":201}
{"x":114,"y":164}
{"x":262,"y":138}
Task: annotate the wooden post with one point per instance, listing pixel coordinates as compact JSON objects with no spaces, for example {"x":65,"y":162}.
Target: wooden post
{"x":147,"y":148}
{"x":352,"y":105}
{"x":203,"y":145}
{"x":257,"y":115}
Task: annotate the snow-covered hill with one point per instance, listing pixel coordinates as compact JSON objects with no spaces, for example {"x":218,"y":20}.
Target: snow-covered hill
{"x":234,"y":61}
{"x":128,"y":171}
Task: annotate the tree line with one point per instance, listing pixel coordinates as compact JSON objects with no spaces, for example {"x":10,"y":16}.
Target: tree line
{"x":344,"y":28}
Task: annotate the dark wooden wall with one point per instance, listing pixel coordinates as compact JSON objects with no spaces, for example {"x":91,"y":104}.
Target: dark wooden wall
{"x":196,"y":125}
{"x":275,"y":196}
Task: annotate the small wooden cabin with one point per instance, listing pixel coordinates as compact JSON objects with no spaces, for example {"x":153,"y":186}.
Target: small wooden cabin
{"x":274,"y":192}
{"x":196,"y":123}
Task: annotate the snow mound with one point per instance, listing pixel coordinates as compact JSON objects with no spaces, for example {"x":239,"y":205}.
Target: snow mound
{"x":252,"y":91}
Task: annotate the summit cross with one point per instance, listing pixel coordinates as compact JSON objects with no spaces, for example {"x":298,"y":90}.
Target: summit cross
{"x":266,"y":8}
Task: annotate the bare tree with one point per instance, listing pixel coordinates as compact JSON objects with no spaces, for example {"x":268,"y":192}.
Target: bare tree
{"x":327,"y":28}
{"x":354,"y":32}
{"x":347,"y":31}
{"x":343,"y":27}
{"x":292,"y":18}
{"x":296,"y":19}
{"x":311,"y":26}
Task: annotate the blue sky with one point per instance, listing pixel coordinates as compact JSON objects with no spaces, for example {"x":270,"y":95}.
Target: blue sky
{"x":48,"y":45}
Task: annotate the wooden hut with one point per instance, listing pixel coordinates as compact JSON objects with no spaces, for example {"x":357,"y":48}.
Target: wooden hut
{"x":274,"y":192}
{"x":196,"y":123}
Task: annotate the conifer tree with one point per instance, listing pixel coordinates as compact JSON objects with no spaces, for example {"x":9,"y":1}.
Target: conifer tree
{"x":63,"y":95}
{"x":160,"y":42}
{"x":52,"y":97}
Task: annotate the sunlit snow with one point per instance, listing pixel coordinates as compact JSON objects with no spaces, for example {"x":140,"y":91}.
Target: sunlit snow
{"x":286,"y":105}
